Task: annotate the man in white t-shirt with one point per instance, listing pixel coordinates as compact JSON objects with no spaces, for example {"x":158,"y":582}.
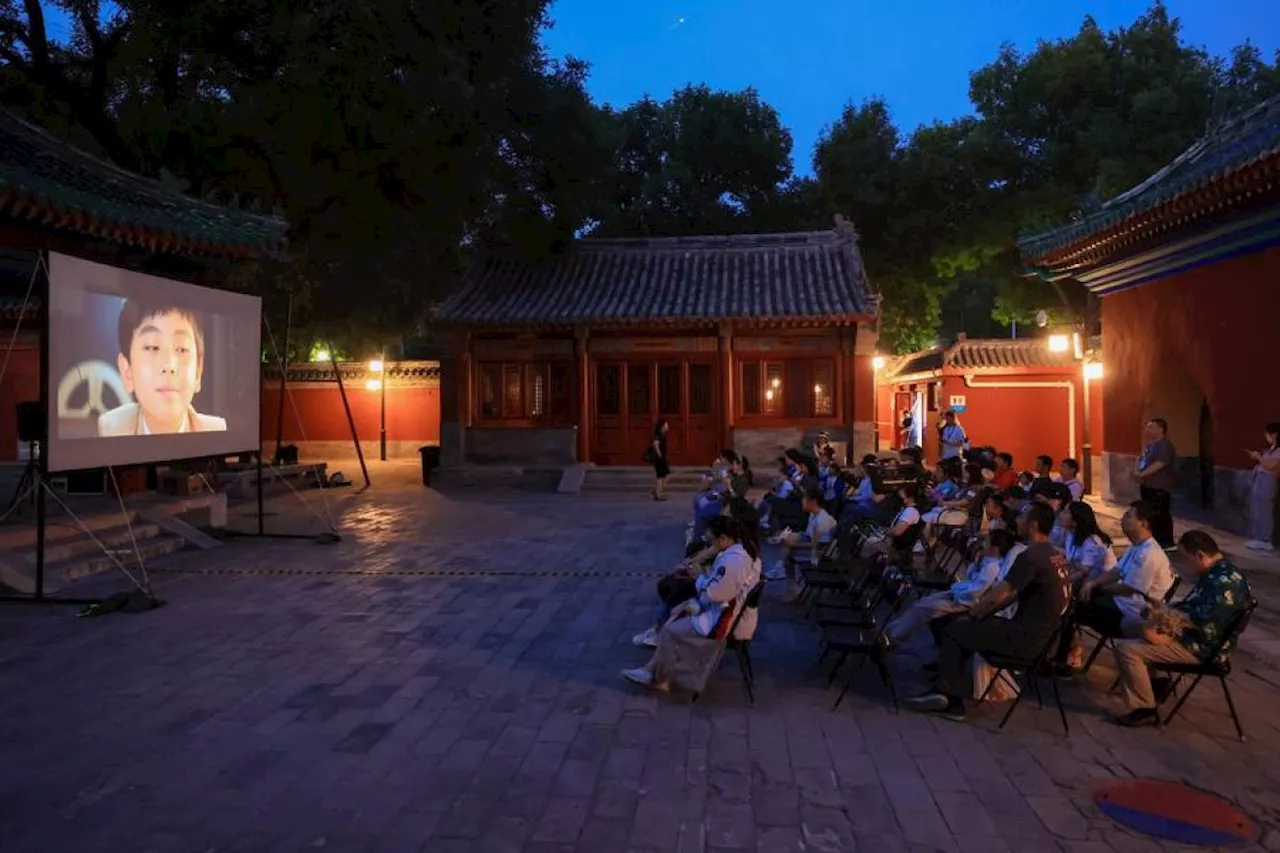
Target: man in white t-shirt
{"x":1114,"y":602}
{"x":818,"y":532}
{"x":1070,"y":469}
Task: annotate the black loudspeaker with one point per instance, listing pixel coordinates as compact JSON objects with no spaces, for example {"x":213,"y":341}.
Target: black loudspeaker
{"x":92,"y":482}
{"x":30,"y":421}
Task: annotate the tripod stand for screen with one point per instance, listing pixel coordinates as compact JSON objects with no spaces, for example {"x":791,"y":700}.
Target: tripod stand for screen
{"x":26,"y":483}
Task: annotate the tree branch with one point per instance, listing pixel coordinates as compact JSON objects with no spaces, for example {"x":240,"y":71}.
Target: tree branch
{"x":37,"y":39}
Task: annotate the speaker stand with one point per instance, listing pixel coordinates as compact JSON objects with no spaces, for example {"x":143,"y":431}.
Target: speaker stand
{"x":26,"y":483}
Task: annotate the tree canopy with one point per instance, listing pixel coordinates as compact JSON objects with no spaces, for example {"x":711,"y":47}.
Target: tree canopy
{"x":396,"y":136}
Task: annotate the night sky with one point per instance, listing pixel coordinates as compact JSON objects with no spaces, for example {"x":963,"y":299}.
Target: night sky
{"x":809,"y":58}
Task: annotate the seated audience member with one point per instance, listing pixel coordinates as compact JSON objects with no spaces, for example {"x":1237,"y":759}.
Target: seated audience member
{"x":1087,"y":548}
{"x":1005,"y":477}
{"x":822,"y":447}
{"x":1113,"y":603}
{"x":729,"y":478}
{"x":1041,"y":477}
{"x":864,"y":503}
{"x":1015,"y":500}
{"x":1057,"y":497}
{"x":1038,"y":583}
{"x":1071,"y":478}
{"x":686,"y":650}
{"x":775,"y":507}
{"x":681,"y":584}
{"x":1190,"y":631}
{"x":946,"y":475}
{"x":1025,"y":479}
{"x":818,"y":532}
{"x":895,"y":540}
{"x":983,"y":571}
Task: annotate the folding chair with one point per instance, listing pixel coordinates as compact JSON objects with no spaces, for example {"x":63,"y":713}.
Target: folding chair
{"x":867,"y":642}
{"x":741,"y":648}
{"x":1214,"y":667}
{"x":1008,"y":667}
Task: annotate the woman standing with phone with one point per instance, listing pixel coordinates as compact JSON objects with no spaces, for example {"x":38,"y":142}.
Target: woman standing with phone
{"x":1262,"y":495}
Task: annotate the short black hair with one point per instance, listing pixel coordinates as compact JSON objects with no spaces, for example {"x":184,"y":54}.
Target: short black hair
{"x":1144,"y":511}
{"x":1046,"y":461}
{"x":870,"y":459}
{"x":1273,"y":428}
{"x":1014,"y":493}
{"x":910,"y":491}
{"x":136,"y":310}
{"x":1160,"y":422}
{"x":1007,"y":457}
{"x":1199,"y":543}
{"x":1071,"y":463}
{"x":813,"y":495}
{"x":1040,"y":517}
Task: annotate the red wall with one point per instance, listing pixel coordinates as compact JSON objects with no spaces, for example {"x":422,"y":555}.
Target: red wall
{"x":314,"y":412}
{"x":1023,"y":421}
{"x":1205,"y":336}
{"x":21,"y":384}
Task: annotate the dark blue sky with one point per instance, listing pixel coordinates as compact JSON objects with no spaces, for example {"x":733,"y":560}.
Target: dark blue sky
{"x":809,"y":57}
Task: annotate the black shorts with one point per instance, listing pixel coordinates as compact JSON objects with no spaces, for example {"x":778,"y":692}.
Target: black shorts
{"x":661,"y":468}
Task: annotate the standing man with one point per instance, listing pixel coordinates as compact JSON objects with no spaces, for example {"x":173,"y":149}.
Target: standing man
{"x":951,"y":436}
{"x":1154,"y":475}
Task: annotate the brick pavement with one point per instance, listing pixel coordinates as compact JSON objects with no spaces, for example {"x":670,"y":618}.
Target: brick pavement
{"x":445,"y":679}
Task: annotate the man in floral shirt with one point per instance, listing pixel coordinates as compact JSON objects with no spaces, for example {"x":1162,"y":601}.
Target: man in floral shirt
{"x":1190,"y":631}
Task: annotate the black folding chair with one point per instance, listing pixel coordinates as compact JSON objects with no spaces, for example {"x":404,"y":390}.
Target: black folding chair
{"x":1218,"y":666}
{"x":1009,"y":667}
{"x":742,"y":648}
{"x":865,"y":641}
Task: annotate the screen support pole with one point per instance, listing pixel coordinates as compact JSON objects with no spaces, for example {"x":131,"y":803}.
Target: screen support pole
{"x":351,"y":421}
{"x":42,"y":472}
{"x":284,"y":374}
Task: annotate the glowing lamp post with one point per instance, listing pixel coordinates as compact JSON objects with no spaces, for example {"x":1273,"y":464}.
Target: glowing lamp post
{"x":1091,"y":371}
{"x":380,"y":385}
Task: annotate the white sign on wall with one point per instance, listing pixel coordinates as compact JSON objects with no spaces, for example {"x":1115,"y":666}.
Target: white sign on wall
{"x":957,"y":403}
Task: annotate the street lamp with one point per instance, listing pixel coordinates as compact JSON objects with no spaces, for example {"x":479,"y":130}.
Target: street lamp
{"x":380,"y":385}
{"x":877,"y":364}
{"x":1092,"y":373}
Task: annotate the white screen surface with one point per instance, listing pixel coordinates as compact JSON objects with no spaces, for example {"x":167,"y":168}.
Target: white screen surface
{"x":145,"y":369}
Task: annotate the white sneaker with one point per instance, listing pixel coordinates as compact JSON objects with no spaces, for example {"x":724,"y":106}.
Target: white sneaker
{"x":639,"y":675}
{"x":776,"y":539}
{"x":1257,"y":545}
{"x":776,"y":572}
{"x":647,"y":639}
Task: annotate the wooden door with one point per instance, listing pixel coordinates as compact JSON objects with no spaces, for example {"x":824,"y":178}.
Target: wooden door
{"x":632,"y":396}
{"x":901,"y":403}
{"x":610,"y":441}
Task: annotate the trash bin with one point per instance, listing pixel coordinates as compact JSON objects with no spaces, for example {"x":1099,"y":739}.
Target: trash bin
{"x":430,"y":459}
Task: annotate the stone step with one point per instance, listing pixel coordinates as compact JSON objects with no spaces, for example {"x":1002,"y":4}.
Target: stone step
{"x":96,"y":562}
{"x":112,"y":538}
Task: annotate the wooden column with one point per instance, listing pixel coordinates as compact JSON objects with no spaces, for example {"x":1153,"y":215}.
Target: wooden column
{"x":848,"y":374}
{"x":582,"y":370}
{"x":726,"y":385}
{"x":863,"y":384}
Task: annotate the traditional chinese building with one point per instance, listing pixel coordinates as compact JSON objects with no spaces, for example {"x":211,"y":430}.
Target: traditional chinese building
{"x":1186,"y":265}
{"x":56,"y":197}
{"x":1016,"y":395}
{"x":752,"y":342}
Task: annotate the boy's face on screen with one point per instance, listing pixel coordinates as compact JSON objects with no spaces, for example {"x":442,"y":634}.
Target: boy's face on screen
{"x":163,"y":369}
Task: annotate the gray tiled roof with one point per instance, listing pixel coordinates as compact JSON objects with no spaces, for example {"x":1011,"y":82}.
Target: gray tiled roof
{"x":45,"y":179}
{"x":981,"y":354}
{"x":801,"y":277}
{"x":1239,"y":142}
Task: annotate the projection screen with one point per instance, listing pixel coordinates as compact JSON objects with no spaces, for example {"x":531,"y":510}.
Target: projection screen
{"x":145,"y":369}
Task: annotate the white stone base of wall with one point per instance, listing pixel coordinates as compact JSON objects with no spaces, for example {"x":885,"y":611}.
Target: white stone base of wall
{"x":322,"y":451}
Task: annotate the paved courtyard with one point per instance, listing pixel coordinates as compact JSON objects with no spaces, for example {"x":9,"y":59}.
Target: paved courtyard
{"x":445,"y":679}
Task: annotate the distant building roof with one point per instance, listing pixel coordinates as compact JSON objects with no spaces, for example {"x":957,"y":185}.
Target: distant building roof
{"x":1245,"y":144}
{"x":47,"y":183}
{"x":800,"y":278}
{"x":991,"y":356}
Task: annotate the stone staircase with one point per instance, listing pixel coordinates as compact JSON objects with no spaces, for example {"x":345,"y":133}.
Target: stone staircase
{"x":72,"y":554}
{"x":638,"y":480}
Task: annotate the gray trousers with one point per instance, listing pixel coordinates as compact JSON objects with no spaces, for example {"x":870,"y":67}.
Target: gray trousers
{"x":1132,"y":657}
{"x":1262,"y":506}
{"x":935,"y":605}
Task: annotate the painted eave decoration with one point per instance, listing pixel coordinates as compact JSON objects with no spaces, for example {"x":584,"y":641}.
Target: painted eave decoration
{"x":46,"y":183}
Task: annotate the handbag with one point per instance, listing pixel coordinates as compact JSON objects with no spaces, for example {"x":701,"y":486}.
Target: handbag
{"x":650,"y":455}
